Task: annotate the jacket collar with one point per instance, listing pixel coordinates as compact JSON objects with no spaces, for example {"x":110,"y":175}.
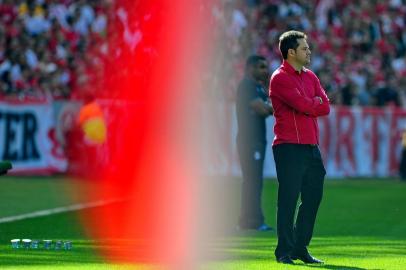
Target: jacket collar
{"x":288,"y":68}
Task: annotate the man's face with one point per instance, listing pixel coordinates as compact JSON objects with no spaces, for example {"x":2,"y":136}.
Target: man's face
{"x":302,"y":53}
{"x":260,"y":71}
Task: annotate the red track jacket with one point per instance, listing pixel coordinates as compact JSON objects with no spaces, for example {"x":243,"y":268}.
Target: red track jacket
{"x":296,"y":106}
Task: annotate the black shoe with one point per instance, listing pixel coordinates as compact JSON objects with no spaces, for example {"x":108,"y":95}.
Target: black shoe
{"x":306,"y":258}
{"x":285,"y":260}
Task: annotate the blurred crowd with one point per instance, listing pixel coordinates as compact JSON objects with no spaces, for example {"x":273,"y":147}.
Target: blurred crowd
{"x":358,"y":47}
{"x":47,"y":46}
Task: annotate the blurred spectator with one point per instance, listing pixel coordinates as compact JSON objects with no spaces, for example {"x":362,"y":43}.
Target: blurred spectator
{"x":402,"y":165}
{"x":357,"y":43}
{"x":387,"y":94}
{"x":43,"y":45}
{"x":349,"y":94}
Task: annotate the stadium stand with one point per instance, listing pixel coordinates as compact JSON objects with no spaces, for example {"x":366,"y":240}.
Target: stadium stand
{"x":359,"y":47}
{"x":46,"y":46}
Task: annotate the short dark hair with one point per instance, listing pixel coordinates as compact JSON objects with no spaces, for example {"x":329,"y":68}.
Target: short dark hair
{"x":252,"y":60}
{"x":288,"y":40}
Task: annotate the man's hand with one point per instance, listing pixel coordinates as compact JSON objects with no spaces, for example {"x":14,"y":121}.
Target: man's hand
{"x":261,"y":107}
{"x":319,"y":99}
{"x":270,"y":108}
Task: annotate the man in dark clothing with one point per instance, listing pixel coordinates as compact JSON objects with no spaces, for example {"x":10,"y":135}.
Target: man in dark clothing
{"x":387,"y":94}
{"x":402,"y":165}
{"x":252,"y":109}
{"x":298,"y":99}
{"x":5,"y":166}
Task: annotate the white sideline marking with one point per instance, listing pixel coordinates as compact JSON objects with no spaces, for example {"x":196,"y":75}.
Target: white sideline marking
{"x":63,"y":209}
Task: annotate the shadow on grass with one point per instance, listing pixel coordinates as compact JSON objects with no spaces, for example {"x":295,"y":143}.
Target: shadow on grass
{"x":336,"y":267}
{"x":251,"y":248}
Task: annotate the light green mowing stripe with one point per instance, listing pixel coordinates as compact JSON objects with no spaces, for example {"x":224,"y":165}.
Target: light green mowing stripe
{"x":361,"y":225}
{"x":337,"y":252}
{"x":58,"y":210}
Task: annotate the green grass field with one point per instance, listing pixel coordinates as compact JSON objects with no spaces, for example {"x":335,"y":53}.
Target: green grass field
{"x":361,"y":225}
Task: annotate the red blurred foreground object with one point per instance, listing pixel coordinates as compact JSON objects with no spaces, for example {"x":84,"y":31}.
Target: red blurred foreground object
{"x":152,"y":76}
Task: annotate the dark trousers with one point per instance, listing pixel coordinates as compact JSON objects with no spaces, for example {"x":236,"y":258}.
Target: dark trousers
{"x":402,"y":165}
{"x":300,"y":171}
{"x":252,"y":157}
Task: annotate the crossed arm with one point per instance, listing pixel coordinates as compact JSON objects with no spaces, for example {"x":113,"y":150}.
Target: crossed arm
{"x":291,"y":95}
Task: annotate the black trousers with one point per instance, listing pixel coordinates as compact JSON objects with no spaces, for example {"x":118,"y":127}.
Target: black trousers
{"x":252,"y":157}
{"x":300,"y":171}
{"x":402,"y":165}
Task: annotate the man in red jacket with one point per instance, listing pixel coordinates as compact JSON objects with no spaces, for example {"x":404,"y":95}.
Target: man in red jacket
{"x":298,"y":99}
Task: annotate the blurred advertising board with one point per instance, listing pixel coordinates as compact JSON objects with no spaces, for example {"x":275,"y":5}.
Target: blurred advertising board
{"x":354,"y":141}
{"x":28,"y":137}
